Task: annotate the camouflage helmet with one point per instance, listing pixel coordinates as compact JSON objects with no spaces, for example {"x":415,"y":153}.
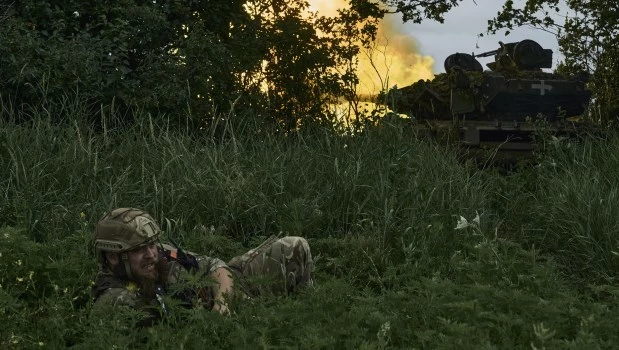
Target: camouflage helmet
{"x":124,"y":229}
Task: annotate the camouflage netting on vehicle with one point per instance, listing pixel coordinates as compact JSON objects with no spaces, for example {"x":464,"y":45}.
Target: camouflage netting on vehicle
{"x":441,"y":84}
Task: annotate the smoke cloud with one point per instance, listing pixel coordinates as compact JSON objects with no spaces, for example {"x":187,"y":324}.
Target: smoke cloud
{"x":394,"y":60}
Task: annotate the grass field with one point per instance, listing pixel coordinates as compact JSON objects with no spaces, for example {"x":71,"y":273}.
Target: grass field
{"x":413,"y":247}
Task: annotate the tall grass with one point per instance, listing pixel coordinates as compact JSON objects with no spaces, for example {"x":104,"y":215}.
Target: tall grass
{"x":379,"y":208}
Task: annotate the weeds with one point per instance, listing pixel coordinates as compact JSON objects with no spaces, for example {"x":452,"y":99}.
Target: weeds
{"x":412,"y":248}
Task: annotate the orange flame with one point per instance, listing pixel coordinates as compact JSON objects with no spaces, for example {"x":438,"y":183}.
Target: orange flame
{"x":394,"y":60}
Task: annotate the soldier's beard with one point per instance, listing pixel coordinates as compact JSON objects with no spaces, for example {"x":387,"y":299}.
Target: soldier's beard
{"x":149,"y":283}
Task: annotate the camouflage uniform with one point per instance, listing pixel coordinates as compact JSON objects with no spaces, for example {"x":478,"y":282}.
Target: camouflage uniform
{"x":275,"y":266}
{"x":110,"y":289}
{"x":278,"y":265}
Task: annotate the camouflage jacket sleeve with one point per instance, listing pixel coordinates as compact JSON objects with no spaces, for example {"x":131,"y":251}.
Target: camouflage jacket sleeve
{"x":117,"y":297}
{"x":125,"y":302}
{"x":111,"y":290}
{"x":206,"y":264}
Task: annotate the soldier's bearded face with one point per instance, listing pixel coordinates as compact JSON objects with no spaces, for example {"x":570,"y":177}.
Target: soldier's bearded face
{"x":143,"y":262}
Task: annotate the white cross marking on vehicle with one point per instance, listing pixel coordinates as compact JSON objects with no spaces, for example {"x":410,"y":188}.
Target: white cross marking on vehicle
{"x":542,"y":87}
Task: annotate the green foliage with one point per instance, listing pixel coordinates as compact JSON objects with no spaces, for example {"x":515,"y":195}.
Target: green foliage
{"x":159,"y":55}
{"x":575,"y":186}
{"x":417,"y":10}
{"x":189,"y":61}
{"x":298,"y":73}
{"x":413,"y":249}
{"x":45,"y":288}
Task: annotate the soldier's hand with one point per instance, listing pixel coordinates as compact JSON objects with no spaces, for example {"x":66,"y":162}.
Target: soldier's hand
{"x":221,"y":307}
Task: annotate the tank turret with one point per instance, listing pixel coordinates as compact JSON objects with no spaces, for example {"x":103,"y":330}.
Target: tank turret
{"x":522,"y":55}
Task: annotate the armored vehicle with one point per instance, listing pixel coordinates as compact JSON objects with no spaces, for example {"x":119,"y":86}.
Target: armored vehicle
{"x":496,"y":107}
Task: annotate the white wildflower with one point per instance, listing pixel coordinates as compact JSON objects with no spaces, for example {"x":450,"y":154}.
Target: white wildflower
{"x":462,"y":223}
{"x":556,"y":141}
{"x":384,"y":333}
{"x":476,"y":221}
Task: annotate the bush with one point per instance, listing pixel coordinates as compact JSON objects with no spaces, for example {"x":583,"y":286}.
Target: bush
{"x":411,"y":247}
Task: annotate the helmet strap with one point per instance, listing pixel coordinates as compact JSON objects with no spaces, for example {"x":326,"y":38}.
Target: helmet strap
{"x":125,"y":258}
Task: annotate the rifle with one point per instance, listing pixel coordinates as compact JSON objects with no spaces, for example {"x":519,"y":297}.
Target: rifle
{"x":188,"y":261}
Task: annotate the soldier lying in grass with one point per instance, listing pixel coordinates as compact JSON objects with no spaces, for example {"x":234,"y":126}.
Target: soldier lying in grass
{"x":137,"y":270}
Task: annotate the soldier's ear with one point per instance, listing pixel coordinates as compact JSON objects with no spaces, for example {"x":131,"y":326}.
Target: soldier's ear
{"x":112,"y":258}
